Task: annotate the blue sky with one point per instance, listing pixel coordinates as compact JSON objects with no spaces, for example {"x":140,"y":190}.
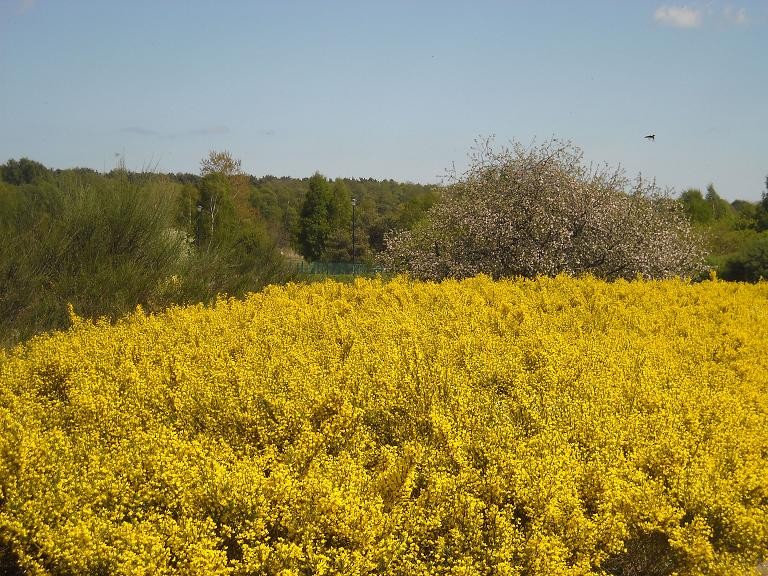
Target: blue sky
{"x":388,"y":89}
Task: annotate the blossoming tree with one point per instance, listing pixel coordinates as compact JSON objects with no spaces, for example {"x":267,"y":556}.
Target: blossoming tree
{"x":542,"y":211}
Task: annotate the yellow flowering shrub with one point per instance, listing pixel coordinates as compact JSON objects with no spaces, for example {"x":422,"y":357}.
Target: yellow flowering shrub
{"x":516,"y":428}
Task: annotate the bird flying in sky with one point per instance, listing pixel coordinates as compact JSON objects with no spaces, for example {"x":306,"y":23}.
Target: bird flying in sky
{"x":651,"y":137}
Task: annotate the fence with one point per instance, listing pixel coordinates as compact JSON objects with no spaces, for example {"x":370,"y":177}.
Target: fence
{"x":336,"y":269}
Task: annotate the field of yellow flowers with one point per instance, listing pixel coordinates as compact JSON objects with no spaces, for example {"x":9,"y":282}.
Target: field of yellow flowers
{"x":555,"y":426}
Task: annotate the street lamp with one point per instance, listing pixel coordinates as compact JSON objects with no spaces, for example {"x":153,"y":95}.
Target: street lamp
{"x":354,"y":203}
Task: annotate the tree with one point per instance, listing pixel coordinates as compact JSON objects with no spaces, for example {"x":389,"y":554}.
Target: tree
{"x":761,"y":216}
{"x":705,"y":209}
{"x":220,"y":163}
{"x":326,"y":220}
{"x":24,"y":171}
{"x":185,"y":217}
{"x":746,"y":213}
{"x":314,"y":222}
{"x":697,"y":208}
{"x":750,"y":264}
{"x":340,"y":206}
{"x":222,"y":182}
{"x":719,"y":207}
{"x":224,"y":164}
{"x":541,"y":211}
{"x":415,"y":207}
{"x":215,"y":202}
{"x":104,"y":249}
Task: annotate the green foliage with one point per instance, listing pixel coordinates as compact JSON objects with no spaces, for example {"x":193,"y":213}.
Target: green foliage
{"x":217,"y":215}
{"x":24,"y":171}
{"x":105,"y":244}
{"x":750,"y":264}
{"x":721,"y":210}
{"x":382,"y":205}
{"x":340,"y":206}
{"x":220,"y":162}
{"x":746,"y":214}
{"x":324,"y":227}
{"x":187,"y":201}
{"x":116,"y":242}
{"x":315,"y":223}
{"x":761,"y":213}
{"x":734,"y":233}
{"x":104,"y":250}
{"x":278,"y":201}
{"x":696,"y":207}
{"x":247,"y":262}
{"x":66,"y":235}
{"x":10,"y":200}
{"x":705,"y":209}
{"x":414,"y":208}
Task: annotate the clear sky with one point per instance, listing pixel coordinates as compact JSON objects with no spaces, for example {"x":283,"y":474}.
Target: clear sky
{"x":388,"y":89}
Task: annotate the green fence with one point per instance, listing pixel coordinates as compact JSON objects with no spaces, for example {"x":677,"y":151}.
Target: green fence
{"x":336,"y":269}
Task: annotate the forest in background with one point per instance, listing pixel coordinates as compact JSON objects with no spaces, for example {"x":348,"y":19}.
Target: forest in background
{"x":107,"y":242}
{"x":735,"y":233}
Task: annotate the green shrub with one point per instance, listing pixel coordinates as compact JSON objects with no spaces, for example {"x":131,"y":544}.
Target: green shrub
{"x":102,"y":249}
{"x":751,"y":263}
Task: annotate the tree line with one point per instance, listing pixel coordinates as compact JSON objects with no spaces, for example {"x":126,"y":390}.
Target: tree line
{"x":107,"y":242}
{"x":735,"y":233}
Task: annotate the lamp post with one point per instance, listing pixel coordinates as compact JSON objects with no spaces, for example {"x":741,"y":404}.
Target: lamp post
{"x":354,"y":203}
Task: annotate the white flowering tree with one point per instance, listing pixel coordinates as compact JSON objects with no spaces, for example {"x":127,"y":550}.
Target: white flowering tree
{"x":541,"y":211}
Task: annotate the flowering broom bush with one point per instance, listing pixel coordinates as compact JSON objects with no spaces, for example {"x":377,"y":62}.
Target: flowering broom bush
{"x":556,"y":426}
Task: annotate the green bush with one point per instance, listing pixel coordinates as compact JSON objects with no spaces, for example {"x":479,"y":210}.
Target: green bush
{"x":108,"y":244}
{"x":246,"y":260}
{"x":103,"y":250}
{"x":751,"y":263}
